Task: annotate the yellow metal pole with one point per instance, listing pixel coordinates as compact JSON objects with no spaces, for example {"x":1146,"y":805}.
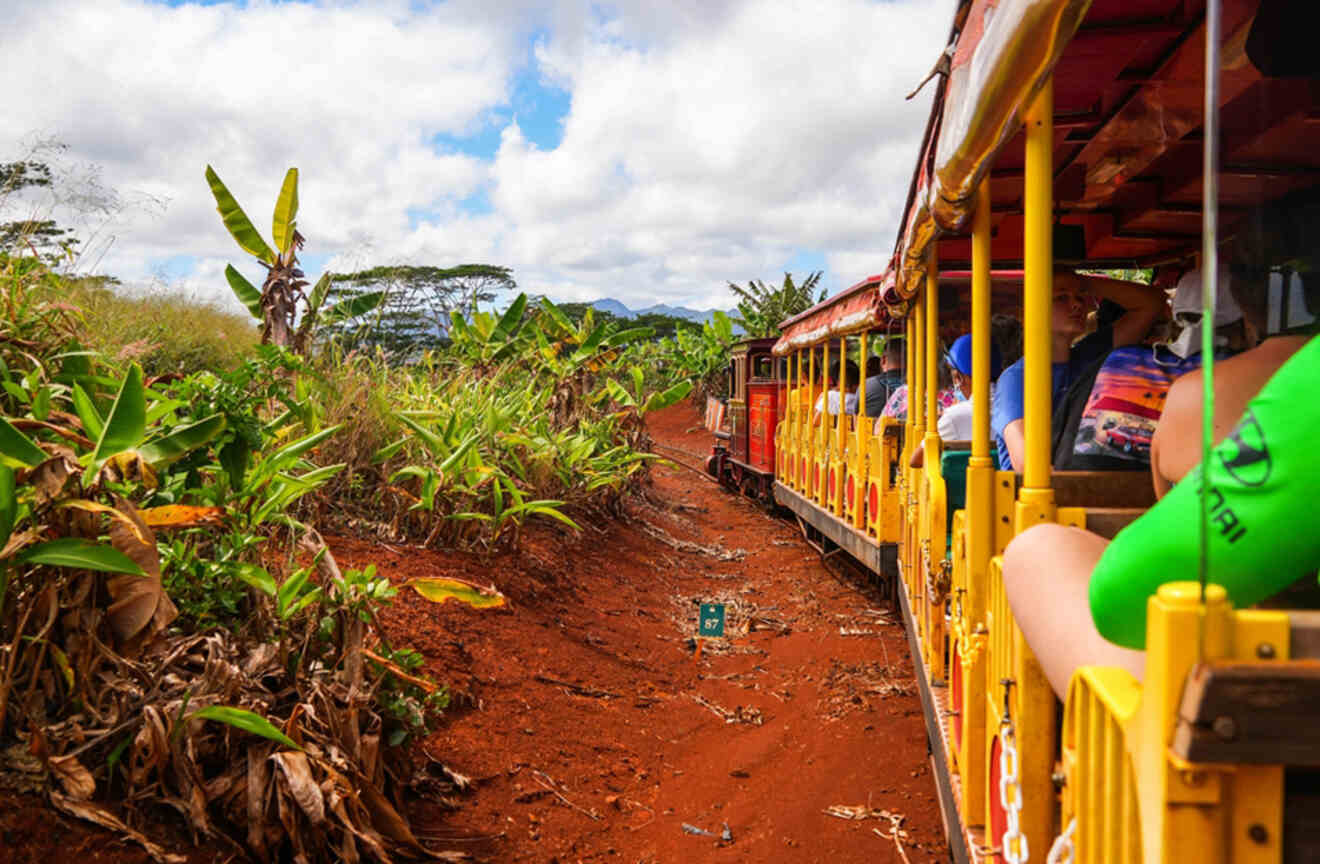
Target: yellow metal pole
{"x":917,"y":429}
{"x":980,"y":520}
{"x":917,"y":398}
{"x":932,"y":486}
{"x":857,"y":477}
{"x":808,"y":434}
{"x":822,"y":456}
{"x":1038,"y":292}
{"x":910,"y":381}
{"x":840,"y":436}
{"x":932,"y":359}
{"x":843,"y":362}
{"x":981,"y":327}
{"x":861,"y":386}
{"x":1035,"y":702}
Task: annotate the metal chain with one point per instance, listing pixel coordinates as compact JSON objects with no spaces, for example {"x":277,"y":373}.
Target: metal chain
{"x":970,"y":646}
{"x":1062,"y":852}
{"x":1014,"y":843}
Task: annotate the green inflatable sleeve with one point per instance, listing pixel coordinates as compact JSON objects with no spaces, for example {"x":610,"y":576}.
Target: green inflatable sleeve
{"x":1264,"y":495}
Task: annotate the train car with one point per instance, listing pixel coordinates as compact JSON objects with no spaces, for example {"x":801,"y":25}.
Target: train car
{"x":743,"y":457}
{"x":1073,"y":134}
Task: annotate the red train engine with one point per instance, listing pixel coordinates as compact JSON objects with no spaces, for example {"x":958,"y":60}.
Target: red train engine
{"x":743,"y":457}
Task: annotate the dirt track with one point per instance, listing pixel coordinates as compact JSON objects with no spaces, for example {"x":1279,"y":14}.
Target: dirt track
{"x":593,"y":734}
{"x":585,"y":699}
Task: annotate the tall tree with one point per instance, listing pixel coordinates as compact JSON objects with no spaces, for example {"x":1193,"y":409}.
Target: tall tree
{"x":43,"y":235}
{"x":419,"y":302}
{"x":761,"y":307}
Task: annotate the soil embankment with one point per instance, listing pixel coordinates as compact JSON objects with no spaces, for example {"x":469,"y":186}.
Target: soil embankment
{"x":591,"y":731}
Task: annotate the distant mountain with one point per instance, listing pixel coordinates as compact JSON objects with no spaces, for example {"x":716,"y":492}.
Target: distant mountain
{"x":619,"y":310}
{"x":614,"y":307}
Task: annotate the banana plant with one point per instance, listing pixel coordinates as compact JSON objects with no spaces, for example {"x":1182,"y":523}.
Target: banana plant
{"x":641,"y":401}
{"x":486,"y":340}
{"x":276,"y":304}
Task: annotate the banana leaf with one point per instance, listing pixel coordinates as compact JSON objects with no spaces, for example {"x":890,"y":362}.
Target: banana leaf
{"x":236,"y":221}
{"x":284,"y":222}
{"x":244,"y":290}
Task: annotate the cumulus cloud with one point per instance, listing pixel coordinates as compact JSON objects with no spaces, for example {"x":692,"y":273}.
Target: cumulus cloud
{"x":704,"y":142}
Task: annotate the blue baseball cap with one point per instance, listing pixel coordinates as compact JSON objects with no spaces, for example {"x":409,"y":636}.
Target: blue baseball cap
{"x":959,"y":356}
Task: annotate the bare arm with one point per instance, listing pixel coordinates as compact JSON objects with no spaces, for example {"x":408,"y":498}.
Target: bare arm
{"x":1142,"y":302}
{"x":918,"y":455}
{"x":1016,"y":443}
{"x":1157,"y":478}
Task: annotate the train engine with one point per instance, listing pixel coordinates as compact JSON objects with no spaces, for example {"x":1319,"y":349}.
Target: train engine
{"x":743,"y":457}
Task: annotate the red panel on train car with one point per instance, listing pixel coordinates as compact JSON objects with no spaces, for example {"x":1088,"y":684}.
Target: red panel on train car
{"x":762,"y":413}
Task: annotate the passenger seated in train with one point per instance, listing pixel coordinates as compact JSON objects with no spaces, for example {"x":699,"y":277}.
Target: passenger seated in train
{"x":956,"y":421}
{"x":1108,"y":418}
{"x":1070,"y":353}
{"x":851,"y":378}
{"x":897,"y":406}
{"x":1262,"y":476}
{"x":884,"y":375}
{"x":832,"y":392}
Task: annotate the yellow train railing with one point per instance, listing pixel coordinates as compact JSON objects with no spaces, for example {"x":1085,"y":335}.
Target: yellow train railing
{"x":1127,"y":795}
{"x":1099,"y":781}
{"x":857,"y":474}
{"x":961,"y":641}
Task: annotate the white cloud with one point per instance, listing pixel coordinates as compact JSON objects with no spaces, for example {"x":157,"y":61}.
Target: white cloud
{"x":706,"y":142}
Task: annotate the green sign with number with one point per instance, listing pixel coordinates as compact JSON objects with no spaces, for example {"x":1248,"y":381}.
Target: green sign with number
{"x":712,"y":620}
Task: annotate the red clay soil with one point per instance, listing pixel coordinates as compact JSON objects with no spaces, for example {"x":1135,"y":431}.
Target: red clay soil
{"x":590,"y":730}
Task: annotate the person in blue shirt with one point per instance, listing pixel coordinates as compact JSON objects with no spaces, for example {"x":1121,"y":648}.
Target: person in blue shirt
{"x":1073,"y":297}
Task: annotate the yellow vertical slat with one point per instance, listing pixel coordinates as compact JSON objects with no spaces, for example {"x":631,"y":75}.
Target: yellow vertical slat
{"x":1036,"y":498}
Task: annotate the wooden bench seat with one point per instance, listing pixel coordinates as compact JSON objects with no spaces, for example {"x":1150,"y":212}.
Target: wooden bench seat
{"x":1108,"y":521}
{"x":1101,"y":489}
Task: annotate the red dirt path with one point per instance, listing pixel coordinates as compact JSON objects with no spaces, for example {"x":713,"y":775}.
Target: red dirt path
{"x":825,"y":713}
{"x":612,"y":612}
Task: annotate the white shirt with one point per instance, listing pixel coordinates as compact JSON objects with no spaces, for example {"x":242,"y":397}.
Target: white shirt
{"x":956,"y":421}
{"x":849,"y":402}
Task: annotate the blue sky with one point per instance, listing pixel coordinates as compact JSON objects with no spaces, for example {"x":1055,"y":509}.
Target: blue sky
{"x":709,"y":143}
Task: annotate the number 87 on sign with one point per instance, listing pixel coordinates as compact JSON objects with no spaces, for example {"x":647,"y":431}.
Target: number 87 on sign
{"x":711,"y":621}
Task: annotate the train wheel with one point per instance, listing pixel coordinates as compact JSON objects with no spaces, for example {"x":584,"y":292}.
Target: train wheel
{"x":750,"y":486}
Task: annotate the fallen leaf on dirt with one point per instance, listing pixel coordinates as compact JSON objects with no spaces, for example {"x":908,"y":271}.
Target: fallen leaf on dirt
{"x":297,"y":774}
{"x":438,"y":589}
{"x":741,"y":714}
{"x":857,"y":811}
{"x":137,"y":600}
{"x":73,"y":776}
{"x":100,"y":816}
